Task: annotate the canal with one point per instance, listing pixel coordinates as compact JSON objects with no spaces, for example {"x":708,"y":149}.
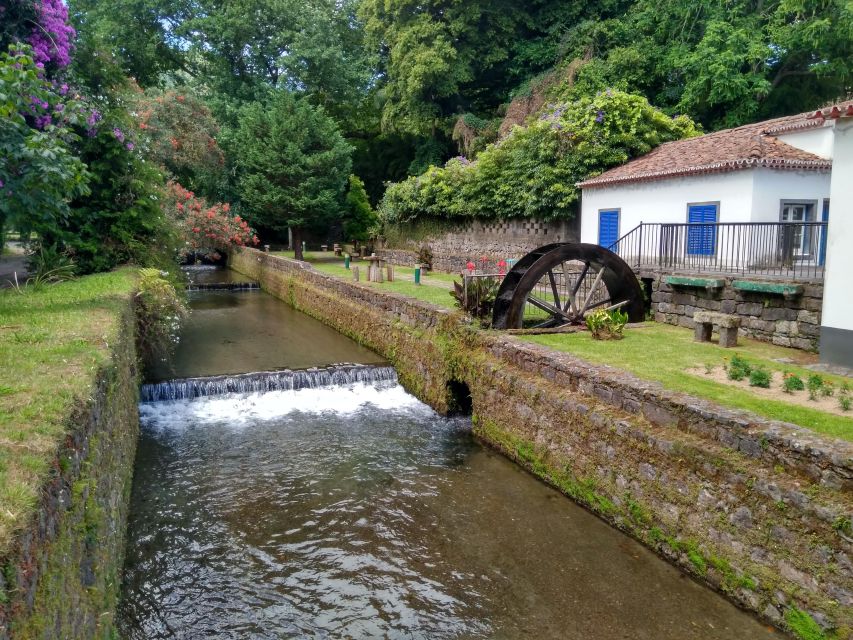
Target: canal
{"x":342,"y":507}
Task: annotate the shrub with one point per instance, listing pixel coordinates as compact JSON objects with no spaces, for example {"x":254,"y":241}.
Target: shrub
{"x":607,"y":325}
{"x":478,"y":298}
{"x":814,"y":384}
{"x":759,"y":377}
{"x":792,"y":382}
{"x":844,"y":402}
{"x":738,"y":368}
{"x":425,"y":256}
{"x":206,"y":229}
{"x":159,"y":311}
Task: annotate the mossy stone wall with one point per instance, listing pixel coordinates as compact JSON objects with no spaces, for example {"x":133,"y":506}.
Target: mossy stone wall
{"x":62,"y":577}
{"x":757,"y":509}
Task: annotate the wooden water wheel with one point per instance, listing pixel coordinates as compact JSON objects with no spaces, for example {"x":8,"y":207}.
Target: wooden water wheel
{"x":559,"y":284}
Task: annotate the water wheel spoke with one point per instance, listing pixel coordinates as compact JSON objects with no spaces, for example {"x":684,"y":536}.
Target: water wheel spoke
{"x":549,"y":308}
{"x":553,"y":281}
{"x":571,"y":297}
{"x":591,"y":293}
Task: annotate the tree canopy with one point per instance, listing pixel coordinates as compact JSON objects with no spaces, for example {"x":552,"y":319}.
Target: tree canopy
{"x":292,"y":164}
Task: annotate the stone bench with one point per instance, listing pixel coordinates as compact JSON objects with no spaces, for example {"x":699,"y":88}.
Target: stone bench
{"x":728,"y":326}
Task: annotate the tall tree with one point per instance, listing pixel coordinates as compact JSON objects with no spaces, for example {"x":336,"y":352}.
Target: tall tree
{"x":293,"y":165}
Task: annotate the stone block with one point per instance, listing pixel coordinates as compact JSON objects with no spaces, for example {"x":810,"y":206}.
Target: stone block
{"x":728,"y":306}
{"x":728,"y":337}
{"x":778,"y":313}
{"x":809,"y":317}
{"x":750,"y":308}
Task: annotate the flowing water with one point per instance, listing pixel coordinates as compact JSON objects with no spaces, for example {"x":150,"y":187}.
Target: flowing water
{"x":349,"y":509}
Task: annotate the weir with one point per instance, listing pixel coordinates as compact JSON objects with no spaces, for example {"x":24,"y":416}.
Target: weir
{"x":264,"y":381}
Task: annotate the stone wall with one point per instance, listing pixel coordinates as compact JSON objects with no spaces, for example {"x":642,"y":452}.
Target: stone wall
{"x":785,"y":321}
{"x":453,"y":247}
{"x":757,"y":509}
{"x":62,"y":577}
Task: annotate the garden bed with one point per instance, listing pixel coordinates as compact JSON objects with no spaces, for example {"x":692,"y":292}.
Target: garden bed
{"x":668,"y":355}
{"x":826,"y":398}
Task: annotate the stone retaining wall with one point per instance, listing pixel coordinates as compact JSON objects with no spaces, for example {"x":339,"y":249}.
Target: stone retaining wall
{"x":62,"y":578}
{"x":496,"y":239}
{"x":788,"y":322}
{"x":757,"y":509}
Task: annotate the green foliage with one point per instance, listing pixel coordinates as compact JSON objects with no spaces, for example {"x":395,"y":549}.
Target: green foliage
{"x":39,"y":172}
{"x":802,"y":625}
{"x":293,"y":164}
{"x":360,"y":220}
{"x":792,"y":382}
{"x":179,"y":133}
{"x":738,"y":368}
{"x":534,"y":172}
{"x":759,"y":377}
{"x":607,"y":325}
{"x":159,"y":311}
{"x":814,"y":384}
{"x":476,"y":296}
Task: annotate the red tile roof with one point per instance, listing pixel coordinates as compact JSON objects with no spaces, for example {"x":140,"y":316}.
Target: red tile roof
{"x":746,"y":147}
{"x":843,"y":110}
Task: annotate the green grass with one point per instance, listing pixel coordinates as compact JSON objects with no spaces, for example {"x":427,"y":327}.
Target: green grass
{"x":53,"y":340}
{"x":436,"y":287}
{"x":663,"y":353}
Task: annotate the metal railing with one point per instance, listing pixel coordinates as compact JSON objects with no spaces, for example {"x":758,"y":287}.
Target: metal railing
{"x":774,"y":249}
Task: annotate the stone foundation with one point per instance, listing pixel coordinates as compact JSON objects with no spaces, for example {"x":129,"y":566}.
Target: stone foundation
{"x":792,"y":321}
{"x":757,"y":509}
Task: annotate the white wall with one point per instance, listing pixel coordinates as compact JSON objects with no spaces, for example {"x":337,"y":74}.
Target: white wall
{"x":838,"y":282}
{"x":770,"y":187}
{"x":666,"y":200}
{"x":816,"y":141}
{"x":751,"y":195}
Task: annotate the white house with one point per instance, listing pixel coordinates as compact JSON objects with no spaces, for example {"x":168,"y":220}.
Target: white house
{"x":773,"y":171}
{"x":783,"y":170}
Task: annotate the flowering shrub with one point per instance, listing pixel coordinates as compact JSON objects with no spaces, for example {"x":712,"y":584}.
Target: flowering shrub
{"x":206,"y":229}
{"x":52,"y":36}
{"x":535,"y":170}
{"x":179,"y":133}
{"x":40,"y":171}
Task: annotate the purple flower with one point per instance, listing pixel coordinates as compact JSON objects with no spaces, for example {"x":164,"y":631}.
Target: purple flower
{"x":63,"y":90}
{"x":119,"y":134}
{"x":599,"y":117}
{"x":130,"y":146}
{"x":94,"y":118}
{"x":2,"y":184}
{"x":52,"y":38}
{"x":43,"y":121}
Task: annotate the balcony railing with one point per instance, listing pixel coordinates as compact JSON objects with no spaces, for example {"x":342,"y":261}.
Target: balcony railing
{"x":794,"y":250}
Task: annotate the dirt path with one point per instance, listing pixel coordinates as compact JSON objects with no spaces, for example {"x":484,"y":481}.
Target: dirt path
{"x":11,"y":264}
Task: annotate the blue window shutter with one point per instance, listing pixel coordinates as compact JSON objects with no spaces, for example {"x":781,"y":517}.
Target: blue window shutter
{"x":702,"y":240}
{"x":608,"y":227}
{"x":821,"y":260}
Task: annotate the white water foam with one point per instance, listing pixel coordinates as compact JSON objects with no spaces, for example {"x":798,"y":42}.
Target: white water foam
{"x":240,"y":409}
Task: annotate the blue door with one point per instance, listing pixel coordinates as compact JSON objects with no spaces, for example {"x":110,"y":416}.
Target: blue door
{"x":821,"y":259}
{"x":702,"y":238}
{"x":608,"y":227}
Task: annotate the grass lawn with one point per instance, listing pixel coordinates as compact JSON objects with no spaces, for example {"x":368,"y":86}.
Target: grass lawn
{"x":663,"y":353}
{"x":52,"y":342}
{"x":436,"y":287}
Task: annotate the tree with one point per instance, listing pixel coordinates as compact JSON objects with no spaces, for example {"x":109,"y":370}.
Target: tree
{"x":360,"y":218}
{"x":293,"y":165}
{"x":180,"y":135}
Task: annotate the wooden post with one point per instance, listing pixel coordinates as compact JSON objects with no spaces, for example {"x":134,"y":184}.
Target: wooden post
{"x":390,"y":273}
{"x":355,"y":273}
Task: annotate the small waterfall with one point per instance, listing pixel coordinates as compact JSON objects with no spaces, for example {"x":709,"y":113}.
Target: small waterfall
{"x":263,"y":381}
{"x":224,"y":286}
